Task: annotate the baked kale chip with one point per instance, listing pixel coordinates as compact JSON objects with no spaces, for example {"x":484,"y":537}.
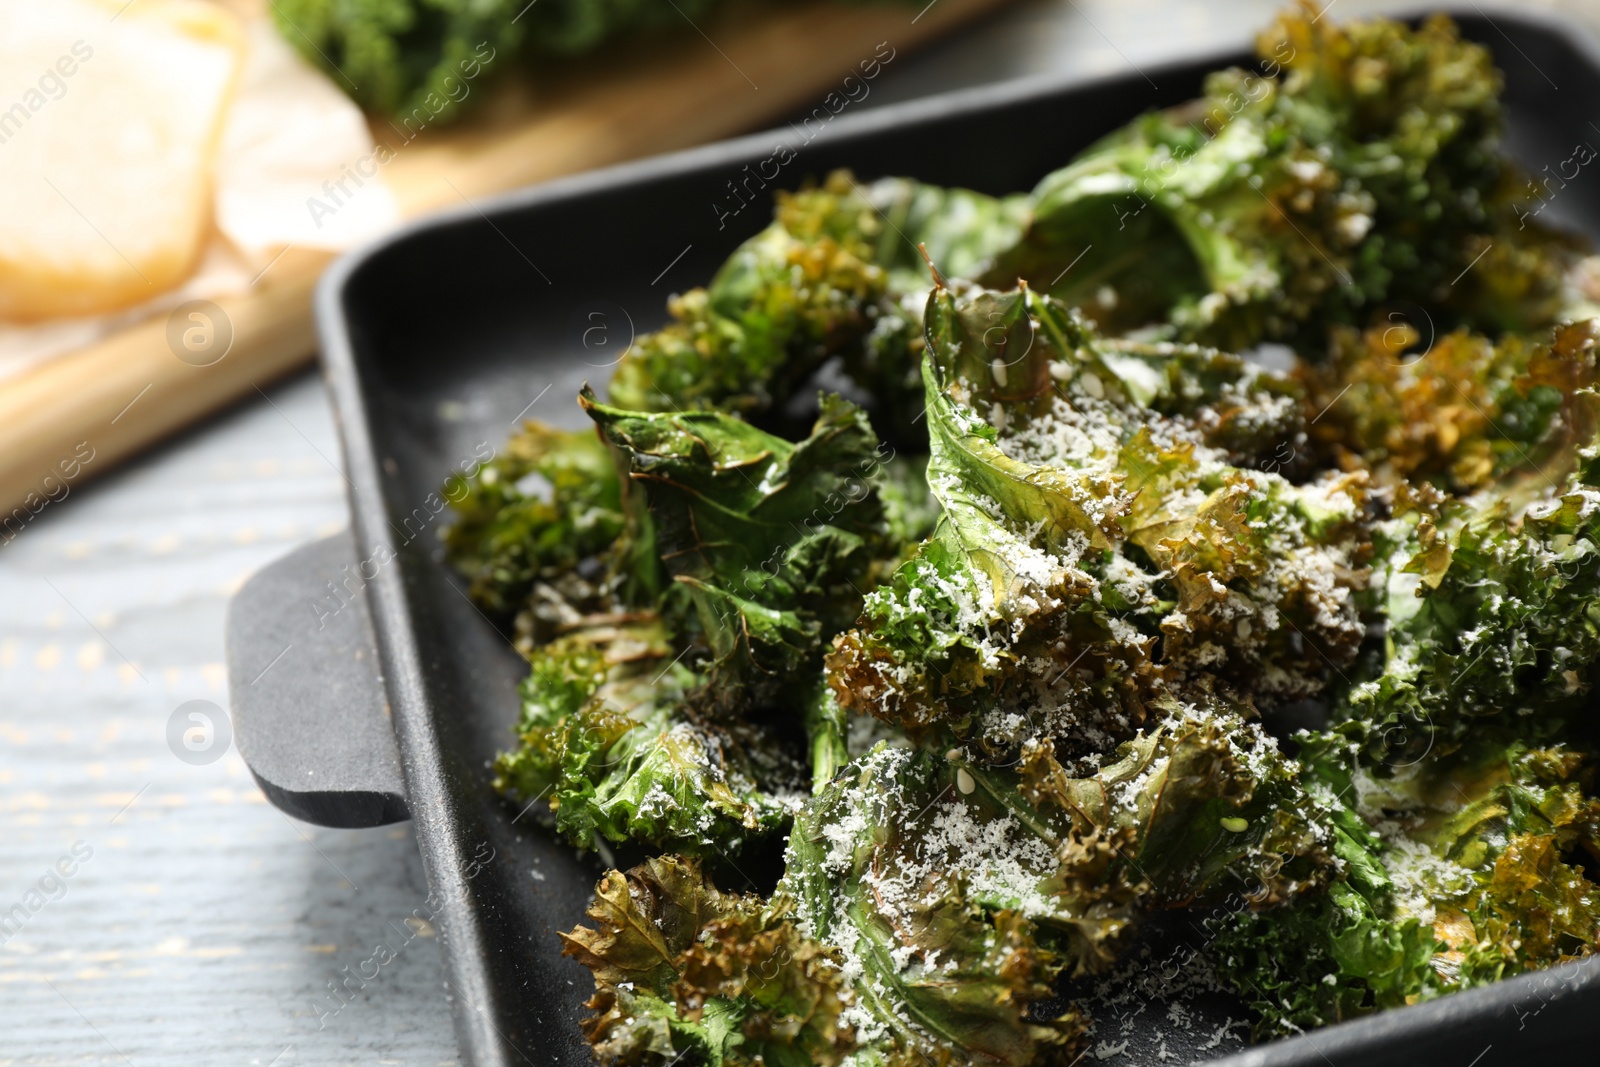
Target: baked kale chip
{"x":1108,"y":534}
{"x":1360,"y":167}
{"x":837,"y":275}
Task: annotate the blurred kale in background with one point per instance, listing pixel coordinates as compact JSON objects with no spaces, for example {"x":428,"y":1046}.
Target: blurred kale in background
{"x":419,"y":58}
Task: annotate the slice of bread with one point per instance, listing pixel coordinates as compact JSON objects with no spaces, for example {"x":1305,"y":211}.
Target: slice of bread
{"x":110,"y":114}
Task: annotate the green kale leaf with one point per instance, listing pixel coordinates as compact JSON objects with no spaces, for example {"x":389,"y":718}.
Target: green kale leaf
{"x":1098,"y":544}
{"x":682,"y":968}
{"x":1458,"y":870}
{"x":1465,"y":414}
{"x":1363,"y":166}
{"x":836,"y":274}
{"x":611,"y":741}
{"x":548,"y":502}
{"x":770,"y":538}
{"x":1490,"y":616}
{"x":959,"y":894}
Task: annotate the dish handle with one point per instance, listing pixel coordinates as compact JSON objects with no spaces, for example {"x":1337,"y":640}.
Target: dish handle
{"x":309,"y":710}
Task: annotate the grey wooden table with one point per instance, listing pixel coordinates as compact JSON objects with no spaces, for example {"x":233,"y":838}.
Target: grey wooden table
{"x":168,"y":914}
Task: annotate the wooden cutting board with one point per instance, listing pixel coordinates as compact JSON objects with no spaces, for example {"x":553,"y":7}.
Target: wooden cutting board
{"x":752,"y":64}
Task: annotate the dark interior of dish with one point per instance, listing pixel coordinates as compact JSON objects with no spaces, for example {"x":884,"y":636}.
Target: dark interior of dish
{"x":459,"y":328}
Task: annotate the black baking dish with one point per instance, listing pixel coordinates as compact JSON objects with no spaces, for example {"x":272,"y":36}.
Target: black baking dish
{"x":439,"y":339}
